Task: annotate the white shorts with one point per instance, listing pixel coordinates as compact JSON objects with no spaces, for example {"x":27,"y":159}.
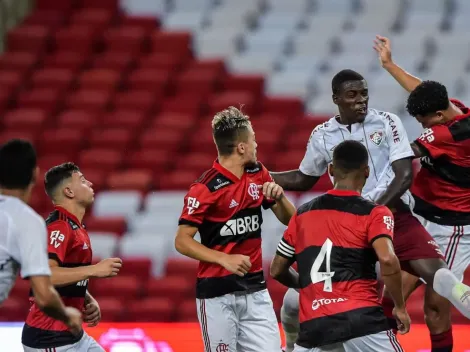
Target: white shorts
{"x":384,"y":341}
{"x":239,"y":322}
{"x":86,"y":344}
{"x":454,"y":242}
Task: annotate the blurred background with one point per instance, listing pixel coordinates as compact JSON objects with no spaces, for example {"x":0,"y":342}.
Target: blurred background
{"x":127,"y":90}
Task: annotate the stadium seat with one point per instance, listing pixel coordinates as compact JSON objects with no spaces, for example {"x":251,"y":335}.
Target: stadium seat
{"x":65,"y":60}
{"x":174,"y":121}
{"x":155,"y":81}
{"x":50,"y":160}
{"x":97,"y":19}
{"x":59,"y":79}
{"x":32,"y":39}
{"x":178,"y":288}
{"x":49,"y":100}
{"x":63,"y":140}
{"x":117,"y":203}
{"x":137,"y":180}
{"x":161,"y":138}
{"x":176,"y":42}
{"x":138,"y":100}
{"x":147,"y":23}
{"x":139,"y":267}
{"x":111,"y":308}
{"x":126,"y":288}
{"x":157,"y":201}
{"x":25,"y":119}
{"x":154,"y":159}
{"x":100,"y":79}
{"x":21,"y":290}
{"x":62,"y":6}
{"x":113,"y":61}
{"x":89,"y":100}
{"x":125,"y":39}
{"x":76,"y":39}
{"x":112,"y":138}
{"x":151,"y":310}
{"x":111,"y":5}
{"x":21,"y":61}
{"x":76,"y":119}
{"x":249,"y":83}
{"x":11,"y":80}
{"x":12,"y":308}
{"x":96,"y":176}
{"x":124,"y":119}
{"x":187,"y":311}
{"x":101,"y":158}
{"x":104,"y":245}
{"x":182,"y":268}
{"x":115,"y":225}
{"x":162,"y":61}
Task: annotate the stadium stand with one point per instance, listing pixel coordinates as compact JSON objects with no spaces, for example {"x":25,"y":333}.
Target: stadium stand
{"x":128,"y":94}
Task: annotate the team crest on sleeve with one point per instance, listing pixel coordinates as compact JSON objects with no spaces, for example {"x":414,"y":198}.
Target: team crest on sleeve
{"x":376,"y":137}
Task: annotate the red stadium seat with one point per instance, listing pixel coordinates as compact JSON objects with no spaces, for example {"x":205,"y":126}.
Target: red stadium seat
{"x":30,"y":136}
{"x":111,"y":308}
{"x":21,"y":289}
{"x":115,"y":138}
{"x":65,"y":60}
{"x":39,"y":200}
{"x":141,"y":101}
{"x":178,"y":43}
{"x":123,"y":287}
{"x":149,"y":159}
{"x":162,"y":61}
{"x":132,"y":120}
{"x":131,"y":40}
{"x":291,"y":107}
{"x":77,"y":119}
{"x":89,"y":100}
{"x":181,"y":268}
{"x":63,"y":6}
{"x":287,"y":160}
{"x":31,"y":39}
{"x":138,"y":180}
{"x":26,"y":119}
{"x":209,"y":66}
{"x":197,"y":161}
{"x":62,"y":140}
{"x":151,"y":310}
{"x":155,"y":81}
{"x":192,"y":105}
{"x":11,"y":80}
{"x":110,"y":159}
{"x":51,"y":160}
{"x":115,"y":225}
{"x":96,"y":177}
{"x":147,"y":23}
{"x":299,"y":139}
{"x":239,"y":99}
{"x":178,"y":288}
{"x":14,"y":309}
{"x":100,"y":79}
{"x":110,"y":5}
{"x":197,"y":82}
{"x":77,"y":39}
{"x":248,"y":83}
{"x":174,"y":120}
{"x":21,"y":61}
{"x":97,"y":19}
{"x":178,"y":179}
{"x":187,"y":311}
{"x":161,"y":138}
{"x":5,"y":99}
{"x":60,"y":79}
{"x":45,"y":99}
{"x":50,"y":19}
{"x":139,"y":267}
{"x":113,"y":61}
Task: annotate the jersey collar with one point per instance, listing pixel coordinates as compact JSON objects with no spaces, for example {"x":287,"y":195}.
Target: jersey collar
{"x":68,"y":214}
{"x":216,"y":165}
{"x":343,"y":193}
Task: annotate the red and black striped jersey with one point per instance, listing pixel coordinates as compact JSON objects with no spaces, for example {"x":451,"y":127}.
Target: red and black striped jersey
{"x":69,"y":244}
{"x":227,"y":212}
{"x":331,"y":239}
{"x":442,"y":187}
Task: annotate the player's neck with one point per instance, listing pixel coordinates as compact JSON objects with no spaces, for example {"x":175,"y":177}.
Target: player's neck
{"x":233,"y":165}
{"x":21,"y":194}
{"x":345,"y":120}
{"x":75,"y":209}
{"x":348,"y":186}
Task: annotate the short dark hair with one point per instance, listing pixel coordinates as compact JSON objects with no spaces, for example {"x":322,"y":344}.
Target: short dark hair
{"x":56,"y":175}
{"x":17,"y":164}
{"x":350,"y":156}
{"x":427,"y":98}
{"x":227,"y":127}
{"x":344,"y":76}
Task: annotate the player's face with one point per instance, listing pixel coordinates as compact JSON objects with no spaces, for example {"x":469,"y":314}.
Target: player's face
{"x":82,"y":189}
{"x":429,"y":121}
{"x":249,"y":147}
{"x":352,"y":100}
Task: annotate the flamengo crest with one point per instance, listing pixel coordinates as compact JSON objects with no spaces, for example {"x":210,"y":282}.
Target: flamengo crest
{"x":376,"y":137}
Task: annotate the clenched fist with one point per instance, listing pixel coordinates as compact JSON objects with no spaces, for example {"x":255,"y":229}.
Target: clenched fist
{"x":236,"y":263}
{"x":107,"y":267}
{"x":271,"y":190}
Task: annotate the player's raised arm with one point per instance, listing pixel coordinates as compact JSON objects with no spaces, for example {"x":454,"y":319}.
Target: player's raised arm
{"x":383,"y":48}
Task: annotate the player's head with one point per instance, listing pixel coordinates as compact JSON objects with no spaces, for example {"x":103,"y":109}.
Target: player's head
{"x":351,"y":95}
{"x":350,"y":164}
{"x":429,"y":104}
{"x":234,"y":135}
{"x":18,"y":169}
{"x":65,"y":183}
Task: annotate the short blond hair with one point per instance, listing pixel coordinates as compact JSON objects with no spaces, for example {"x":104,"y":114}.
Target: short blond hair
{"x":227,"y":127}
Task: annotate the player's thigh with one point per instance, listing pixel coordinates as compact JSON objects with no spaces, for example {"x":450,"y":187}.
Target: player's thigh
{"x":290,"y":304}
{"x":336,"y":347}
{"x":218,"y":323}
{"x":90,"y":345}
{"x":455,"y":244}
{"x":258,"y":329}
{"x":384,"y":341}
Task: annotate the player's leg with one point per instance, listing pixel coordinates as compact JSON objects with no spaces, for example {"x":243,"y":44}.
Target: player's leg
{"x":336,"y":347}
{"x":437,"y":316}
{"x":290,"y":318}
{"x":385,"y":341}
{"x":258,"y":329}
{"x":218,"y":322}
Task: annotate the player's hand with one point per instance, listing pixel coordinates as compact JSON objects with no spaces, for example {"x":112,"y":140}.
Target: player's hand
{"x":271,"y":190}
{"x":74,"y":320}
{"x":236,"y":263}
{"x":107,"y":268}
{"x":403,"y":320}
{"x":92,"y":312}
{"x":383,"y":48}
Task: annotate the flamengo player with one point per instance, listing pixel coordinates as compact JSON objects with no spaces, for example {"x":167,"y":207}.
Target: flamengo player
{"x":390,"y":156}
{"x":441,"y":190}
{"x":234,"y":308}
{"x":23,"y":234}
{"x":336,"y":240}
{"x":70,"y":257}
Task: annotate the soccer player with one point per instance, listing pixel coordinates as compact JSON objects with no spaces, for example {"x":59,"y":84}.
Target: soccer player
{"x":234,"y":308}
{"x":336,"y":240}
{"x":441,"y":190}
{"x":23,"y":234}
{"x":390,"y":157}
{"x":70,"y":257}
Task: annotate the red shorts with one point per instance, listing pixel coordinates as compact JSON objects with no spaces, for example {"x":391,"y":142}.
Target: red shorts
{"x":411,"y":240}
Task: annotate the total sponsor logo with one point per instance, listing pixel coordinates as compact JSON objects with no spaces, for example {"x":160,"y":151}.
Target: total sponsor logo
{"x":326,"y":301}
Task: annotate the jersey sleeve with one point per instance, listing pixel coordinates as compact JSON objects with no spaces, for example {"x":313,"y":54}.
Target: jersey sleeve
{"x":314,"y":162}
{"x":381,"y":224}
{"x":32,"y":244}
{"x":286,"y":247}
{"x":267,"y":203}
{"x":434,"y":141}
{"x":196,"y":204}
{"x":397,"y":139}
{"x":59,"y":240}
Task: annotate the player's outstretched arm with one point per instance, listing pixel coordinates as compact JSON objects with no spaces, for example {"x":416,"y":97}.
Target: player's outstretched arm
{"x":294,"y":180}
{"x":383,"y":48}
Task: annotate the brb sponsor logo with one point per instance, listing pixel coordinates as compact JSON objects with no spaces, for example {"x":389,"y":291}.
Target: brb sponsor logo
{"x":240,"y":226}
{"x":326,"y":301}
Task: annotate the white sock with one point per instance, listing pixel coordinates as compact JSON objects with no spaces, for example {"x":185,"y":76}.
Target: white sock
{"x":290,"y":325}
{"x":448,"y":286}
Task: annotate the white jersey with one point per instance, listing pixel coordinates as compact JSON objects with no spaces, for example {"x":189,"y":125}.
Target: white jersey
{"x":23,"y":243}
{"x":382,"y":133}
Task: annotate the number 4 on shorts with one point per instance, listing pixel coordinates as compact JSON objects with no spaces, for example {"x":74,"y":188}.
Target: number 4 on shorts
{"x":315,"y":275}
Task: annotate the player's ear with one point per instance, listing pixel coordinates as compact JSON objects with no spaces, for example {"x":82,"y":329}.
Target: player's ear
{"x":68,"y":192}
{"x":367,"y":171}
{"x":335,"y":98}
{"x":330,"y":170}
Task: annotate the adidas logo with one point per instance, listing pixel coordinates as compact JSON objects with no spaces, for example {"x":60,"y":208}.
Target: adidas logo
{"x":233,"y":204}
{"x":85,"y":246}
